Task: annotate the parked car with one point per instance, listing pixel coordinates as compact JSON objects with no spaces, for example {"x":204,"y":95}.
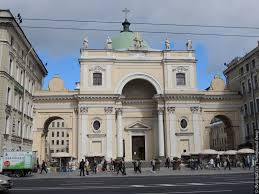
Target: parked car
{"x":6,"y":183}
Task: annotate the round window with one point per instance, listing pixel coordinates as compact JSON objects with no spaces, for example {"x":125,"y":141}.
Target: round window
{"x":183,"y":123}
{"x":96,"y":125}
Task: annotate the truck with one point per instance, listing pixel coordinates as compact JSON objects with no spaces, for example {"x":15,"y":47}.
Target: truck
{"x":19,"y":163}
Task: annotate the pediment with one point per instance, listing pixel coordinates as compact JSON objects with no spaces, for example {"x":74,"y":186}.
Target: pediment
{"x":138,"y":126}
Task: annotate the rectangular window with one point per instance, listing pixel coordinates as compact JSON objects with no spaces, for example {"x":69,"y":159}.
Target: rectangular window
{"x":52,"y":134}
{"x":63,"y":133}
{"x":68,"y":133}
{"x":62,"y":142}
{"x":7,"y":125}
{"x":97,"y":79}
{"x":63,"y":124}
{"x":180,"y":79}
{"x":53,"y":124}
{"x":67,"y":142}
{"x":247,"y":130}
{"x":57,"y":124}
{"x":51,"y":151}
{"x":257,"y":104}
{"x":12,"y":41}
{"x":52,"y":142}
{"x":8,"y":96}
{"x":255,"y":82}
{"x":243,"y":88}
{"x":253,"y":63}
{"x":58,"y":134}
{"x":17,"y":73}
{"x":11,"y":67}
{"x":247,"y":67}
{"x":251,"y":107}
{"x":249,"y":86}
{"x":57,"y":142}
{"x":241,"y":70}
{"x":246,"y":112}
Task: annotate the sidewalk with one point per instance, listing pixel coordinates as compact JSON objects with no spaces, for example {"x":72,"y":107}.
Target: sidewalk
{"x":145,"y":172}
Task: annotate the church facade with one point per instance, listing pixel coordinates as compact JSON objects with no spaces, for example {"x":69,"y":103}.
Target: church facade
{"x":137,"y":102}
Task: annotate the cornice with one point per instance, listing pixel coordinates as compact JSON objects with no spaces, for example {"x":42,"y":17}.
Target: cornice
{"x":52,"y":97}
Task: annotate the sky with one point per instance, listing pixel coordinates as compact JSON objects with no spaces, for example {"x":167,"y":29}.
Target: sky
{"x":60,"y":49}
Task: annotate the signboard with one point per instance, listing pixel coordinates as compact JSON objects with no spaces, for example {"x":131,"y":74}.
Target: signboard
{"x":17,"y":160}
{"x":256,"y":176}
{"x":1,"y":164}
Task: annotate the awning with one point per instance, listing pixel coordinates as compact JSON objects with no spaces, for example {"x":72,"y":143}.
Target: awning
{"x":245,"y":151}
{"x":62,"y":155}
{"x":209,"y":152}
{"x":230,"y":152}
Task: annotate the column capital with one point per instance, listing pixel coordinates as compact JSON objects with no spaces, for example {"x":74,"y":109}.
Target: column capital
{"x":83,"y":109}
{"x":171,"y":109}
{"x":195,"y":109}
{"x":108,"y":110}
{"x":160,"y":110}
{"x":118,"y":110}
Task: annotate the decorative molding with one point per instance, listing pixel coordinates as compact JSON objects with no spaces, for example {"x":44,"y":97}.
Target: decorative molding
{"x":8,"y":109}
{"x":108,"y":110}
{"x":194,"y":109}
{"x":118,"y":110}
{"x":97,"y":69}
{"x":171,"y":109}
{"x":160,"y":110}
{"x":83,"y":109}
{"x":138,"y":126}
{"x":76,"y":110}
{"x":96,"y":135}
{"x":184,"y":134}
{"x":180,"y":69}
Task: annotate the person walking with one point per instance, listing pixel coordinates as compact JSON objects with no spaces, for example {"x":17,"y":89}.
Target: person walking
{"x":87,"y":167}
{"x":120,"y":167}
{"x":82,"y":167}
{"x":43,"y":167}
{"x":199,"y":163}
{"x":153,"y":164}
{"x":138,"y":166}
{"x":167,"y":162}
{"x":95,"y":166}
{"x":228,"y":164}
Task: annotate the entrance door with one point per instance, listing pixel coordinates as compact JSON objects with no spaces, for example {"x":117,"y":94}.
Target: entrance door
{"x":138,"y":147}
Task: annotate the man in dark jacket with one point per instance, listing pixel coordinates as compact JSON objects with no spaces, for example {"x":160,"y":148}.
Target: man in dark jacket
{"x":82,"y":167}
{"x":43,"y":167}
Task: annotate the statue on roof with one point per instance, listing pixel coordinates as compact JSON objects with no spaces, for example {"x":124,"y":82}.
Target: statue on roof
{"x":189,"y":45}
{"x":138,"y":41}
{"x":167,"y":44}
{"x":85,"y":43}
{"x":108,"y":43}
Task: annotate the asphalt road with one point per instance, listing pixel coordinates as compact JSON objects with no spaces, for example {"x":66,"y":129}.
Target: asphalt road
{"x":228,"y":184}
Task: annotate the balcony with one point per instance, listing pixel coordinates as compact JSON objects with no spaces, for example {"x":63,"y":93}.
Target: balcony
{"x":16,"y":139}
{"x":8,"y":109}
{"x":27,"y":141}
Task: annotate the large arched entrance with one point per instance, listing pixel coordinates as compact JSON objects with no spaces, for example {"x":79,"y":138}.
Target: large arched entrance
{"x":221,"y":134}
{"x":139,"y":119}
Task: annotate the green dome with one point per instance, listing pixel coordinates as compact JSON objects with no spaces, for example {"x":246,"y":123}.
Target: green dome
{"x":127,"y":39}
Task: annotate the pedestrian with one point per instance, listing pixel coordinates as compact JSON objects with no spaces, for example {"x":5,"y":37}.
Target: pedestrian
{"x":104,"y":166}
{"x":153,"y":164}
{"x":134,"y":162}
{"x":43,"y":167}
{"x":167,"y":162}
{"x":248,"y":161}
{"x":82,"y":167}
{"x":199,"y":163}
{"x":123,"y":166}
{"x":228,"y":163}
{"x":218,"y":162}
{"x":244,"y":161}
{"x":211,"y":163}
{"x":111,"y":166}
{"x":87,"y":167}
{"x":138,"y":166}
{"x":119,"y":167}
{"x":95,"y":166}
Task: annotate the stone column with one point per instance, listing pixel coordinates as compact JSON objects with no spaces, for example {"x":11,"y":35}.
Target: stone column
{"x":161,"y":141}
{"x":196,"y":128}
{"x":119,"y":133}
{"x":242,"y":127}
{"x":172,"y":128}
{"x":109,"y":136}
{"x":82,"y":134}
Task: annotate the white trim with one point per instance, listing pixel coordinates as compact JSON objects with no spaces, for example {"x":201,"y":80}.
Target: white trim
{"x":138,"y":75}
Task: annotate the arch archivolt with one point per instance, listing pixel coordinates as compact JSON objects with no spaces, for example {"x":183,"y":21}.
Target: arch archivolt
{"x":138,"y":75}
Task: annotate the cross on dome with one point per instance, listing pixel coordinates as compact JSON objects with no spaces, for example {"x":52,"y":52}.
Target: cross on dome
{"x":126,"y":11}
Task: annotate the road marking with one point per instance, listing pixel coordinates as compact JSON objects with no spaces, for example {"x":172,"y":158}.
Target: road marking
{"x":195,"y":183}
{"x":137,"y":186}
{"x":209,"y":191}
{"x":75,"y":184}
{"x":167,"y":185}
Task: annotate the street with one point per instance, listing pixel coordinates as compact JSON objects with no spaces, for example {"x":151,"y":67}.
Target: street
{"x":221,"y":183}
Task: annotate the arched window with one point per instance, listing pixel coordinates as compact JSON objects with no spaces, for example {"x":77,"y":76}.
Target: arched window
{"x":97,"y":79}
{"x":180,"y":79}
